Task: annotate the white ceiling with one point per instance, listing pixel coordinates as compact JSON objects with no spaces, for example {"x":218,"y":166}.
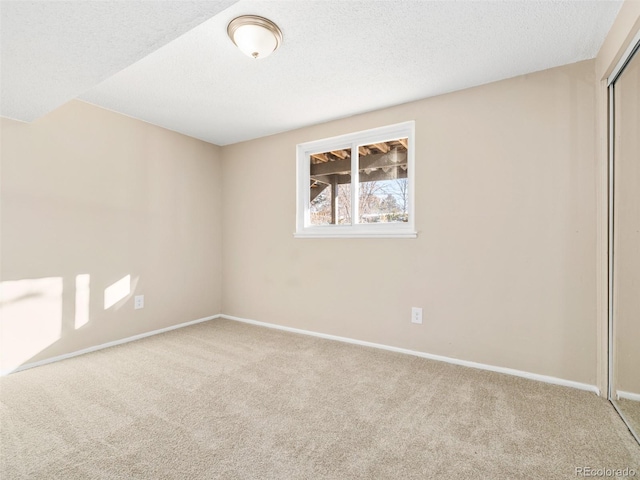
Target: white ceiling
{"x":53,"y":51}
{"x":338,"y":58}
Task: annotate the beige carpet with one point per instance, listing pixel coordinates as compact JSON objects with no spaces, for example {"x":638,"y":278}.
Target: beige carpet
{"x":233,"y":401}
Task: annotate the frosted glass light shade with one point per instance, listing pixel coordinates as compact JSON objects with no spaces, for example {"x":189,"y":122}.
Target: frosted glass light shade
{"x":255,"y":36}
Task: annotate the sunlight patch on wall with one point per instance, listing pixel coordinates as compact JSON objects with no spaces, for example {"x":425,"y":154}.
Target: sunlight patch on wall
{"x":117,"y":291}
{"x":83,"y":292}
{"x":30,"y":319}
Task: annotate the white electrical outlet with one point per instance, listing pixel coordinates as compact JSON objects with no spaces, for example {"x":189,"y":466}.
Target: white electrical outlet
{"x":416,"y":315}
{"x":138,"y":302}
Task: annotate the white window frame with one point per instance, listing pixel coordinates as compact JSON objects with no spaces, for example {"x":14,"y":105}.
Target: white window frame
{"x":304,"y":229}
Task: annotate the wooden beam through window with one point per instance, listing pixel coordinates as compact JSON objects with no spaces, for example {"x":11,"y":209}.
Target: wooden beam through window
{"x":340,"y":153}
{"x":317,"y":190}
{"x":322,"y":157}
{"x":383,"y":147}
{"x":396,"y":173}
{"x":378,"y":160}
{"x":334,"y":200}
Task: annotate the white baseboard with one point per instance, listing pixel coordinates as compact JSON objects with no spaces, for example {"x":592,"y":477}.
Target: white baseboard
{"x":27,"y":366}
{"x":440,"y":358}
{"x":625,"y":395}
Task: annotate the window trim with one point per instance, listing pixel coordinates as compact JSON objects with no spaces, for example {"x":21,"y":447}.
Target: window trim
{"x":352,"y":141}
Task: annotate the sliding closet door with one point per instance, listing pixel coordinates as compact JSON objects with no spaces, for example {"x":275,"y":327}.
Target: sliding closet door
{"x":626,"y":243}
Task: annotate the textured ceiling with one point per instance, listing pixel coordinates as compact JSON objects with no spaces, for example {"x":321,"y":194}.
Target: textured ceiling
{"x":338,"y":58}
{"x":52,"y":51}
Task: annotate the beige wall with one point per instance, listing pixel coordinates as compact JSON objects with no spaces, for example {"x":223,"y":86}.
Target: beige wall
{"x":88,"y":191}
{"x":504,"y":263}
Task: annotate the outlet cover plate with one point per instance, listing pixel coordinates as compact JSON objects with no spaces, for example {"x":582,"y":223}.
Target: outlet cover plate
{"x":138,"y":302}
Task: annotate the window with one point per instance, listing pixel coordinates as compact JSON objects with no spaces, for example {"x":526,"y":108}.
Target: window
{"x":357,"y":185}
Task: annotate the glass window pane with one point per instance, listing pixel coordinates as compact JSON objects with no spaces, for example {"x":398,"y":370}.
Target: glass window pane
{"x":330,"y":188}
{"x":344,"y":203}
{"x":383,"y":195}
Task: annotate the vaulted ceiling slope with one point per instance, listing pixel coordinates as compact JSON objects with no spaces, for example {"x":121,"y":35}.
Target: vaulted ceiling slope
{"x":53,"y":51}
{"x":338,"y":58}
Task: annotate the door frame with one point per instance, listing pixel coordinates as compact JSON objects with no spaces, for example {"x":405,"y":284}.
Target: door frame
{"x":632,"y":49}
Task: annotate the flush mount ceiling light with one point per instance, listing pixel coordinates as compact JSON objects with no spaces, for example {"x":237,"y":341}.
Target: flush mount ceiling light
{"x":255,"y":36}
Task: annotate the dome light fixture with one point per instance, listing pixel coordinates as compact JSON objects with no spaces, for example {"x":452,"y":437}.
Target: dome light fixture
{"x":256,"y":37}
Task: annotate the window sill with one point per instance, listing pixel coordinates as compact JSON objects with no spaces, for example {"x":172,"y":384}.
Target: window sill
{"x":356,"y":234}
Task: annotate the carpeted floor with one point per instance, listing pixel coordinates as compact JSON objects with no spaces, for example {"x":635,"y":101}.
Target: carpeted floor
{"x":233,"y":401}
